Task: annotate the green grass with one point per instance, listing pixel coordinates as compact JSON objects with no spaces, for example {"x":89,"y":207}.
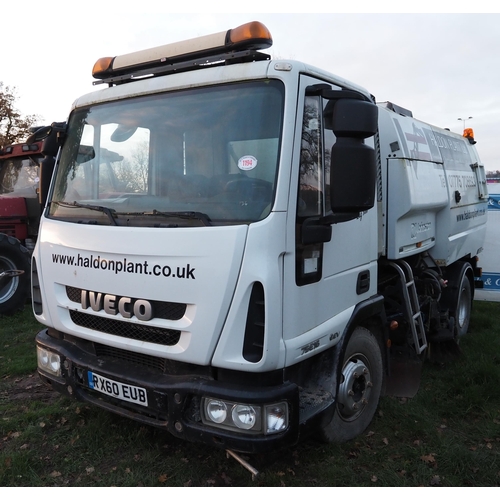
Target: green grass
{"x":17,"y":337}
{"x":447,"y":435}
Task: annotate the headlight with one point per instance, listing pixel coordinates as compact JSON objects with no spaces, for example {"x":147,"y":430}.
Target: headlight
{"x":48,"y":361}
{"x":276,"y":418}
{"x":216,"y":411}
{"x":244,"y":417}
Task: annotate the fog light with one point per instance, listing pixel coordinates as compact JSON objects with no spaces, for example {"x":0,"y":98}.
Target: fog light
{"x":216,"y":411}
{"x":276,"y":418}
{"x":49,"y":362}
{"x":244,"y":416}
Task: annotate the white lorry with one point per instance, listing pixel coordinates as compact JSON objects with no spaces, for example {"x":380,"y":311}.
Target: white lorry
{"x":242,"y":250}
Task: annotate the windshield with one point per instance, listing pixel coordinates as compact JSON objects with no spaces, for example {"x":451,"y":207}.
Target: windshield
{"x":200,"y":157}
{"x":19,"y":177}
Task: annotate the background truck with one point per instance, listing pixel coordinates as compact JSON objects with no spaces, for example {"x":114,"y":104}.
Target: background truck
{"x":19,"y":220}
{"x":243,"y":251}
{"x":490,"y":261}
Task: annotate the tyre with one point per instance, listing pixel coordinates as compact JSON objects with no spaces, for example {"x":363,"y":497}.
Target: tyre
{"x":359,"y":388}
{"x":13,"y":291}
{"x":464,"y":306}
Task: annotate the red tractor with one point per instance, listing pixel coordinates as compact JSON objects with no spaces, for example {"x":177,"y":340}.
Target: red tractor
{"x":19,"y":220}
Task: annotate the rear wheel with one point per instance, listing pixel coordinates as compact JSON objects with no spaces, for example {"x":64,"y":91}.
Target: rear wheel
{"x":14,"y":286}
{"x":359,"y":389}
{"x":464,"y":306}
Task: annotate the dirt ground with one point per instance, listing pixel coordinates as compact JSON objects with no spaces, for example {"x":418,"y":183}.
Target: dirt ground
{"x":26,"y":387}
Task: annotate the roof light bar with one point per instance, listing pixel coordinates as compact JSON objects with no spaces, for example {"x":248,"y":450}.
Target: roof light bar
{"x":253,"y":35}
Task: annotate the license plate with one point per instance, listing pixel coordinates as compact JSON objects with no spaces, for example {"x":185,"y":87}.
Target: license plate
{"x":125,"y":392}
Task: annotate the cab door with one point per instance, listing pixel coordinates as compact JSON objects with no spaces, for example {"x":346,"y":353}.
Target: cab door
{"x":323,"y":280}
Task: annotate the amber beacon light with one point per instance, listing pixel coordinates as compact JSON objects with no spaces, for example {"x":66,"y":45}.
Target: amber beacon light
{"x":469,"y":134}
{"x":249,"y":36}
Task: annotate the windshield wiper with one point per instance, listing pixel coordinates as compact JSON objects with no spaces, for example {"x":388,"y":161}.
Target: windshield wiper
{"x":105,"y":210}
{"x":204,"y":218}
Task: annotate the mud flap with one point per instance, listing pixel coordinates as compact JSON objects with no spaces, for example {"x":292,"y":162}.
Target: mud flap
{"x":403,"y":380}
{"x":444,"y":352}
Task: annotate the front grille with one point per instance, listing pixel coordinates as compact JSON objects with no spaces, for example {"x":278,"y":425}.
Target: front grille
{"x":135,"y":358}
{"x":162,"y":336}
{"x":163,"y":310}
{"x":156,"y":364}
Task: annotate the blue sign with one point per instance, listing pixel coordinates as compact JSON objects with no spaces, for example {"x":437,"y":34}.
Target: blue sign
{"x":491,"y":281}
{"x":494,"y":202}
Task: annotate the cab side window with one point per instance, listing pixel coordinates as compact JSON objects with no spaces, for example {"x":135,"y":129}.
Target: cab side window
{"x":313,"y":197}
{"x":315,"y":158}
{"x":310,"y":196}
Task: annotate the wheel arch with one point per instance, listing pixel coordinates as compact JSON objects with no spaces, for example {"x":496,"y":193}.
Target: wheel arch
{"x":453,"y":274}
{"x":365,"y":330}
{"x":457,"y":298}
{"x":369,"y":314}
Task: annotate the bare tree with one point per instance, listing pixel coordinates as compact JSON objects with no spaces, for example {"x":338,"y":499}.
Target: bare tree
{"x":132,"y":171}
{"x":13,"y":126}
{"x":140,"y":158}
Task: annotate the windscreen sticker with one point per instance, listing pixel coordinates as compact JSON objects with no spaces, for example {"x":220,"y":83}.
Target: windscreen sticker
{"x":247,"y":162}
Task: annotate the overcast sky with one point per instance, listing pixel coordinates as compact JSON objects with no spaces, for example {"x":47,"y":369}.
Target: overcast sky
{"x":441,"y":66}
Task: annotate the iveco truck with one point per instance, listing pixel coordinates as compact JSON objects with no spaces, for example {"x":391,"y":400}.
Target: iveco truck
{"x":243,"y":251}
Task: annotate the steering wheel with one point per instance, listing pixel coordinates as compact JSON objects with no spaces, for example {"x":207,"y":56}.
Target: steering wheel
{"x":249,"y":188}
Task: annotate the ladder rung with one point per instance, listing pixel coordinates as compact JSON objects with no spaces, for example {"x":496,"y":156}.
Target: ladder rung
{"x":411,"y":305}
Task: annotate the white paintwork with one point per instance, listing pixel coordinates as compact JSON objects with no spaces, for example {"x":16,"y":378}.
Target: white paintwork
{"x":300,"y":321}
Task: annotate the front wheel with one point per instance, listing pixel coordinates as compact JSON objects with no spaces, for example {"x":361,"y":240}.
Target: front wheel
{"x":14,"y":287}
{"x":359,"y":389}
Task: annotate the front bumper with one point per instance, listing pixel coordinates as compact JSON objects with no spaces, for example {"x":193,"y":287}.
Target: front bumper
{"x":174,"y":400}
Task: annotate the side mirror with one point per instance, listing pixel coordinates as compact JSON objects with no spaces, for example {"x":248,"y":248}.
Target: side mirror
{"x":122,"y":133}
{"x":85,"y":153}
{"x":46,"y":171}
{"x":38,"y":134}
{"x":52,"y":137}
{"x":315,"y":231}
{"x":353,"y":168}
